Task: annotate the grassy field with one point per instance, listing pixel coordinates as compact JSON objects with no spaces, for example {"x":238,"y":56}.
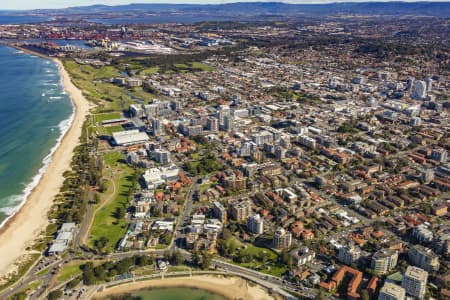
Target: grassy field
{"x":99,"y":118}
{"x":270,"y":267}
{"x":106,"y":224}
{"x":139,"y":95}
{"x":112,"y":129}
{"x":112,"y":159}
{"x":202,"y":67}
{"x":69,"y":271}
{"x":94,"y":82}
{"x":178,"y":68}
{"x":149,"y":71}
{"x":43,"y":271}
{"x":192,"y":67}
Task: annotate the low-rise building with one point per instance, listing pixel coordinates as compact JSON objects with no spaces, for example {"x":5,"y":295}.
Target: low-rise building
{"x":303,"y":256}
{"x":62,"y":240}
{"x":155,"y":177}
{"x":129,"y":137}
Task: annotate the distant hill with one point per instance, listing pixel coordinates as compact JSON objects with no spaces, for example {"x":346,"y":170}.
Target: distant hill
{"x":426,"y":8}
{"x":438,"y":9}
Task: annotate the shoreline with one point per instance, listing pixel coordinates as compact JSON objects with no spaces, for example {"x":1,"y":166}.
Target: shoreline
{"x":21,"y":229}
{"x":63,"y":126}
{"x":228,"y":287}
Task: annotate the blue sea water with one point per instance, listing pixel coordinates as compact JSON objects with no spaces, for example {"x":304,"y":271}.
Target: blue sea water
{"x":34,"y":114}
{"x":159,"y":19}
{"x":12,"y":19}
{"x":78,"y":43}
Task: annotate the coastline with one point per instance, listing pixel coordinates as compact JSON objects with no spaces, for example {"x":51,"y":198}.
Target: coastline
{"x":228,"y":287}
{"x":24,"y":226}
{"x":63,"y":126}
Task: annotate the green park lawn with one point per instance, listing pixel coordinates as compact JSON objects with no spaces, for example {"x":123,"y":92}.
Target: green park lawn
{"x":202,"y":67}
{"x":271,"y":266}
{"x":181,"y":68}
{"x":112,"y":129}
{"x":99,"y":118}
{"x":94,"y":82}
{"x":149,"y":71}
{"x":106,"y":224}
{"x":69,"y":271}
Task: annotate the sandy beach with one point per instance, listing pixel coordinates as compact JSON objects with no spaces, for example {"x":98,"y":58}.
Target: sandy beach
{"x":229,"y":287}
{"x":24,"y":227}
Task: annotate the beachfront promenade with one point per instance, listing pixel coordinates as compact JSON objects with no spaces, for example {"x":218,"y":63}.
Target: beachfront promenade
{"x":218,"y":267}
{"x":270,"y":286}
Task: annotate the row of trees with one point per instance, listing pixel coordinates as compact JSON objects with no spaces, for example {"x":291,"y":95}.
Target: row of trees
{"x":86,"y":172}
{"x":107,"y":271}
{"x":205,"y":165}
{"x":104,"y":272}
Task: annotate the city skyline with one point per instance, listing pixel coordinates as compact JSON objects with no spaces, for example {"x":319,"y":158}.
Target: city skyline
{"x":52,"y":4}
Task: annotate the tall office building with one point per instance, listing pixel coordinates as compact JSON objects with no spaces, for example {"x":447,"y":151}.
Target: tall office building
{"x":415,"y":121}
{"x":240,"y":210}
{"x":429,"y":84}
{"x":212,"y":124}
{"x":219,"y":212}
{"x":424,"y":258}
{"x":439,"y":155}
{"x":162,"y":156}
{"x":282,"y":239}
{"x":228,"y":123}
{"x":391,"y":291}
{"x":222,"y":111}
{"x":427,"y":176}
{"x":349,"y":254}
{"x":236,"y":100}
{"x":409,"y":83}
{"x":384,"y":260}
{"x":280,"y":152}
{"x":419,"y":90}
{"x":194,"y":130}
{"x":156,"y":127}
{"x":255,"y":224}
{"x":415,"y":282}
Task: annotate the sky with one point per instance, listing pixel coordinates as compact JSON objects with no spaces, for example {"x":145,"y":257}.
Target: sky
{"x":35,"y":4}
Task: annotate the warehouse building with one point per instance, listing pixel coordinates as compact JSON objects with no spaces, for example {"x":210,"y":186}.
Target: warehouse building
{"x":129,"y":137}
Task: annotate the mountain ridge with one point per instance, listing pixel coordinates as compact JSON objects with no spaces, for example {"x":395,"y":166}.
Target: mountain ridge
{"x":424,"y":8}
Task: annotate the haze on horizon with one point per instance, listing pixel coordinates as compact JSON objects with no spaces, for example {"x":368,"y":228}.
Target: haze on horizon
{"x":33,"y":4}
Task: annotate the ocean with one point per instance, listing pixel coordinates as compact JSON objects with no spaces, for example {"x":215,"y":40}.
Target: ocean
{"x":12,"y":19}
{"x":34,"y":113}
{"x":159,"y":19}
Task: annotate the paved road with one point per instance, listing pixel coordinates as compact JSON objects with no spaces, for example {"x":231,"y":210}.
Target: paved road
{"x":248,"y":276}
